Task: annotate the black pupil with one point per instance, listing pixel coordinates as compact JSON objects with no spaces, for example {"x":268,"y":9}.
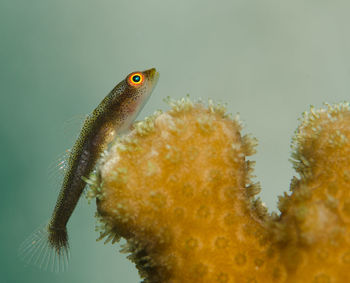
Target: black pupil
{"x":136,"y":78}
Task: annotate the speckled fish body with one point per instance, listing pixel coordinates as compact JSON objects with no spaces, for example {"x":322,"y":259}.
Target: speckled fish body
{"x":112,"y":116}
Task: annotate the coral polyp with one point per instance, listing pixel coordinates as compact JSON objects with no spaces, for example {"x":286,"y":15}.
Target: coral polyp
{"x":179,"y":189}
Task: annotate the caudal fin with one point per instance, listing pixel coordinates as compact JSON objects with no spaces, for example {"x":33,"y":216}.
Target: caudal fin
{"x":47,"y":249}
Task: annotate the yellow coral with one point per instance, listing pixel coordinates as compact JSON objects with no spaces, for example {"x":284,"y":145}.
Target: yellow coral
{"x":313,"y":230}
{"x":178,"y":189}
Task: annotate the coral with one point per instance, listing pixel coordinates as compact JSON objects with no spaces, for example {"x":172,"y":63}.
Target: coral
{"x":313,"y":230}
{"x":179,"y":189}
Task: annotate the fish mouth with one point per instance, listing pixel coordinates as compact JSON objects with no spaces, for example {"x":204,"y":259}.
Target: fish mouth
{"x":152,"y":75}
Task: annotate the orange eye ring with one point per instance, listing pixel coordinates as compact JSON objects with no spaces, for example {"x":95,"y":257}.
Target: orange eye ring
{"x":136,"y":79}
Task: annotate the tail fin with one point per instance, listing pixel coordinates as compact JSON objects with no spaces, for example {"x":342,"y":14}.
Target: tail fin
{"x":47,"y":249}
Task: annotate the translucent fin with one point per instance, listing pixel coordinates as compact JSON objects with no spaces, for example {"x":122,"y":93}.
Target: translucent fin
{"x":73,"y":126}
{"x":37,"y":251}
{"x":60,"y":164}
{"x":58,"y":168}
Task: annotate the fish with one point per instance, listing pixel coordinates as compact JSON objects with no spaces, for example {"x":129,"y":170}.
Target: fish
{"x":114,"y":115}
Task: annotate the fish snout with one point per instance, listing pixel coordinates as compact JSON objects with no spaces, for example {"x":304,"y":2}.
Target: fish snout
{"x":152,"y":75}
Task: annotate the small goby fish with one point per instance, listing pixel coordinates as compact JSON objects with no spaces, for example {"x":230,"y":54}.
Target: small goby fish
{"x":114,"y":115}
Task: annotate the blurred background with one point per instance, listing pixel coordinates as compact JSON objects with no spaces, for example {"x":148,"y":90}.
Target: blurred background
{"x":268,"y":60}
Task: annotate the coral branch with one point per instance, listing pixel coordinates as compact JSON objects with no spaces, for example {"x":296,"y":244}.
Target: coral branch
{"x":178,"y":188}
{"x":313,"y":230}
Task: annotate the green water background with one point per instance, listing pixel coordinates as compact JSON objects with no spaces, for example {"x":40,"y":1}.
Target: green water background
{"x":268,"y":59}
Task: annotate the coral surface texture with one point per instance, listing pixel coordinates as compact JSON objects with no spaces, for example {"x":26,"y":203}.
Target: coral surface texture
{"x":179,"y":189}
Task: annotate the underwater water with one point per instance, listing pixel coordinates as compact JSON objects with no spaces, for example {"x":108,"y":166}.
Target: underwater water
{"x":267,"y":60}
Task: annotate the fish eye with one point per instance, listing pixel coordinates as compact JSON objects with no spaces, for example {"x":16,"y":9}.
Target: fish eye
{"x":135,"y":79}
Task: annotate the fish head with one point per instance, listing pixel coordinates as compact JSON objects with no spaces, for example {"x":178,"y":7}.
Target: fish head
{"x":140,"y":84}
{"x":129,"y":97}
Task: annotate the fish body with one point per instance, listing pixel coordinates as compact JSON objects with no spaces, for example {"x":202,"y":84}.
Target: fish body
{"x":112,"y":116}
